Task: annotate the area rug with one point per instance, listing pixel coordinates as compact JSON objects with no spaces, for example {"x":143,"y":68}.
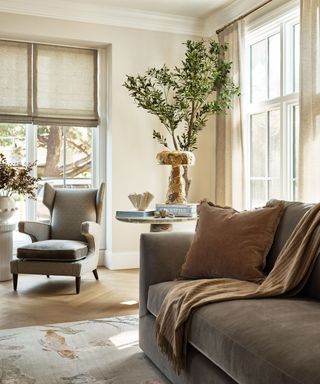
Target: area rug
{"x":103,"y":351}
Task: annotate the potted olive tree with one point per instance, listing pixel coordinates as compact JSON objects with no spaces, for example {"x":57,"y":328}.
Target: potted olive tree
{"x":183,"y":98}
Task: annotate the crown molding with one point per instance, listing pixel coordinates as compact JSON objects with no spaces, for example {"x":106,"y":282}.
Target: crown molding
{"x":220,"y":18}
{"x":106,"y":15}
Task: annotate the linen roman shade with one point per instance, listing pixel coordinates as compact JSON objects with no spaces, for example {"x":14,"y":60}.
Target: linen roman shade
{"x":15,"y":82}
{"x":59,"y":88}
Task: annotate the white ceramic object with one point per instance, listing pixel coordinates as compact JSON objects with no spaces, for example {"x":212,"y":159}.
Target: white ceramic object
{"x":6,"y":250}
{"x":7,"y":208}
{"x":141,"y":201}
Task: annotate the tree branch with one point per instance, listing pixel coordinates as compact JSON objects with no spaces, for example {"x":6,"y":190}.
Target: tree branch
{"x":191,"y":124}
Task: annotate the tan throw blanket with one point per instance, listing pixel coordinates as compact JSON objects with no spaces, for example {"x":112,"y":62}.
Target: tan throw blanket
{"x":290,"y":273}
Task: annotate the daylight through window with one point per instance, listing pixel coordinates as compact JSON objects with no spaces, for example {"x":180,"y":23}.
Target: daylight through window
{"x":272,"y":110}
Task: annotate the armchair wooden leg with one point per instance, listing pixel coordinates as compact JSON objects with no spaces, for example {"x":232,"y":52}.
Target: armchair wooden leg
{"x":48,"y":276}
{"x":78,"y":282}
{"x":15,"y":281}
{"x":95,"y":272}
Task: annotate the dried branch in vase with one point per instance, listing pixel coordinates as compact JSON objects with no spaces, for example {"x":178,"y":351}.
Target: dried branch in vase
{"x":17,"y":179}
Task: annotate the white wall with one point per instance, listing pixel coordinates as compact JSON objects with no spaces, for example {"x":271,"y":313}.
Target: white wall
{"x":131,"y":151}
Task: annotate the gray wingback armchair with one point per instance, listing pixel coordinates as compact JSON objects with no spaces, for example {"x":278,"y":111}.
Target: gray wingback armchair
{"x":69,"y":244}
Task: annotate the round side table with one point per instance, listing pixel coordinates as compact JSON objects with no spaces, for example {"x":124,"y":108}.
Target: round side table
{"x":157,"y":224}
{"x":6,"y":249}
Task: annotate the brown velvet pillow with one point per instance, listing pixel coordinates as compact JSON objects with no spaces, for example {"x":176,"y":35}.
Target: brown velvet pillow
{"x":231,"y":244}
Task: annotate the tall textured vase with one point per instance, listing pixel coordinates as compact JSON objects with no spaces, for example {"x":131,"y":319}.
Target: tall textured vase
{"x":7,"y":208}
{"x":177,"y":159}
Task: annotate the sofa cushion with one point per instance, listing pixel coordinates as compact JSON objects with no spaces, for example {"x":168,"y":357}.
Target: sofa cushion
{"x":258,"y":340}
{"x":53,"y":250}
{"x":291,"y":216}
{"x":157,"y":293}
{"x":233,"y":244}
{"x":261,"y":341}
{"x":312,"y":287}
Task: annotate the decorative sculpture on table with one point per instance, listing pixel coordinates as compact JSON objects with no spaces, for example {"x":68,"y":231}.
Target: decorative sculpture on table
{"x":141,"y":201}
{"x":177,"y":159}
{"x":163,"y":213}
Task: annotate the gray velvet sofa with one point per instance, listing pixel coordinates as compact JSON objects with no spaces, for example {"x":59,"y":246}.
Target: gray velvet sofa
{"x":257,"y":341}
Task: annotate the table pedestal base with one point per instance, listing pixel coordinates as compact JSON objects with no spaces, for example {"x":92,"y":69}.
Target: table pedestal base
{"x":5,"y":250}
{"x":160,"y":227}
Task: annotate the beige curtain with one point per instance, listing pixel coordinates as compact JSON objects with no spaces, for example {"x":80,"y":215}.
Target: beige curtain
{"x":309,"y":143}
{"x":229,"y":181}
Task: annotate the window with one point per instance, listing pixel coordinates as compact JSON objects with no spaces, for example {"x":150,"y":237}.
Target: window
{"x":272,"y":110}
{"x":64,"y":158}
{"x":48,"y":114}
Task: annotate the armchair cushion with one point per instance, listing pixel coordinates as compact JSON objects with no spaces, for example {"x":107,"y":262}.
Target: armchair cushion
{"x":53,"y":250}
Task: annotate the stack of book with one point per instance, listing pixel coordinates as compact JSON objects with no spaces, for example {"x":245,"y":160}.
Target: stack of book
{"x":135,"y":213}
{"x":179,"y":210}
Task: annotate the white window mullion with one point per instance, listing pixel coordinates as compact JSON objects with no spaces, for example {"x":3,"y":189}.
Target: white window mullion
{"x":285,"y":144}
{"x":283,"y":117}
{"x":31,"y":157}
{"x":291,"y":129}
{"x":267,"y":171}
{"x":64,"y":156}
{"x":267,"y":69}
{"x":95,"y":159}
{"x":247,"y":122}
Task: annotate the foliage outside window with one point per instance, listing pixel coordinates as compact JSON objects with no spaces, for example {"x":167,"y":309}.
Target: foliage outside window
{"x":63,"y":154}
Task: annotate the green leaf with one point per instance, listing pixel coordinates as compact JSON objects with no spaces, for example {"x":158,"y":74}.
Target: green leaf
{"x":188,"y":94}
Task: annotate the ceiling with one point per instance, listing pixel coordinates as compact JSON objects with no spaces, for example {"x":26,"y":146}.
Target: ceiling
{"x":172,"y":16}
{"x":191,"y":8}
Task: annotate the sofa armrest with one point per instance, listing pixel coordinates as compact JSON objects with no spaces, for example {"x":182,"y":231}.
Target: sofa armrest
{"x":161,"y":257}
{"x":35,"y":229}
{"x":91,"y":231}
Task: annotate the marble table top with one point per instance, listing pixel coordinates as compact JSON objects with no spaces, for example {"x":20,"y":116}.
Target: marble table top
{"x":155,"y":220}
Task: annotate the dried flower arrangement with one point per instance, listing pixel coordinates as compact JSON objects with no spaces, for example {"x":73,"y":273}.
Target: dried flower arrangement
{"x":17,"y":179}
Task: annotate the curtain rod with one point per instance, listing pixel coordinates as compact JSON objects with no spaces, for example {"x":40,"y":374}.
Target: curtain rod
{"x":242,"y":16}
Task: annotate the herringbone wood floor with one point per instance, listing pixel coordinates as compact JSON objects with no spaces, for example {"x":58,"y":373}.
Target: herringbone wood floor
{"x":42,"y":301}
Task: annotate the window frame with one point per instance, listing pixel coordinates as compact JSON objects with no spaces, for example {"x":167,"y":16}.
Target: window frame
{"x":101,"y":155}
{"x":276,"y":22}
{"x":31,"y":156}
